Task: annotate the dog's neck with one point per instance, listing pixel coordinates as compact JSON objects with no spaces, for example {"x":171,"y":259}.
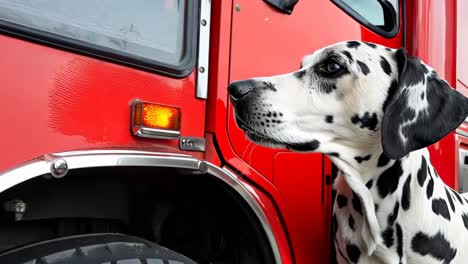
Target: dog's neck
{"x":362,"y":160}
{"x":358,"y":176}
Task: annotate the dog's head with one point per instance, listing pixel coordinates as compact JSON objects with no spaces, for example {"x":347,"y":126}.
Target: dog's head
{"x":350,"y":93}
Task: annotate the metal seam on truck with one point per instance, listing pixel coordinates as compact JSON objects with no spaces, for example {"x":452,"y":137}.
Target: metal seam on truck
{"x":203,"y":49}
{"x":112,"y":158}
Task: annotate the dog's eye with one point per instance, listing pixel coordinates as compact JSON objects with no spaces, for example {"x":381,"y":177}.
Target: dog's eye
{"x":332,"y":67}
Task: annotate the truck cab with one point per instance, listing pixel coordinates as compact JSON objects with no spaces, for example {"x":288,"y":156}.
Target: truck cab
{"x":117,"y":120}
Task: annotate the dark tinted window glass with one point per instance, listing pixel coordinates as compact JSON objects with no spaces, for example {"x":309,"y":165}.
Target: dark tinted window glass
{"x":150,"y":29}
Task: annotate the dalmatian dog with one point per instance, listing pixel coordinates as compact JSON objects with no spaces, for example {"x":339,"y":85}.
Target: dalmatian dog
{"x":373,"y":110}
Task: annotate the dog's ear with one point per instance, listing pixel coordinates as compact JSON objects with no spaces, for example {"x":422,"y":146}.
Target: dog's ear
{"x":420,"y":110}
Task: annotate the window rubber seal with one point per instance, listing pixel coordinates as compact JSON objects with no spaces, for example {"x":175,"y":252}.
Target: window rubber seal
{"x":356,"y":16}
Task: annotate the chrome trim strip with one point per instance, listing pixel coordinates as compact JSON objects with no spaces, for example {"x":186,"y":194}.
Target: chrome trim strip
{"x":155,"y":133}
{"x":461,"y":132}
{"x":204,"y":49}
{"x":232,"y":180}
{"x":112,"y":158}
{"x":117,"y":151}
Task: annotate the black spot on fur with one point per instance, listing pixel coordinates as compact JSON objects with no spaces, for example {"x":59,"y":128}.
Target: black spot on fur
{"x":341,"y":200}
{"x":387,"y":236}
{"x":357,"y":204}
{"x":353,"y":252}
{"x":300,"y":74}
{"x":422,"y":96}
{"x":393,"y":216}
{"x":366,"y":121}
{"x":406,"y":196}
{"x":387,"y":182}
{"x":465,"y":220}
{"x":351,"y":222}
{"x":329,"y":119}
{"x":399,"y":234}
{"x":334,"y":154}
{"x":361,"y":159}
{"x":376,"y":206}
{"x":365,"y":70}
{"x":309,"y":146}
{"x":387,"y":49}
{"x":383,"y":160}
{"x":439,"y":207}
{"x":457,"y":195}
{"x":372,"y":45}
{"x":390,"y":93}
{"x":422,"y":172}
{"x":436,"y":246}
{"x":353,"y":44}
{"x":369,"y":184}
{"x":449,"y":197}
{"x":385,"y":65}
{"x":347,"y":54}
{"x":430,"y":188}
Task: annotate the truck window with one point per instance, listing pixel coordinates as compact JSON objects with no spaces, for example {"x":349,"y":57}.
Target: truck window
{"x":380,"y":16}
{"x":152,"y":34}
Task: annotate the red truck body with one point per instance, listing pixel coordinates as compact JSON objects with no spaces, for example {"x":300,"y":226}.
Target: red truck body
{"x":59,"y":100}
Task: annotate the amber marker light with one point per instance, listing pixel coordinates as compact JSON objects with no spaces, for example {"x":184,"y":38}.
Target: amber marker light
{"x":155,"y":121}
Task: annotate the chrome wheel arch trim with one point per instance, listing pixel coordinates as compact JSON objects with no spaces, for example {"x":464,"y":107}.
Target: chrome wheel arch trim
{"x":112,"y":158}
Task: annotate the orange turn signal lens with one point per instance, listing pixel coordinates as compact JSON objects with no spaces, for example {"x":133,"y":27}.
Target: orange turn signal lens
{"x":155,"y":116}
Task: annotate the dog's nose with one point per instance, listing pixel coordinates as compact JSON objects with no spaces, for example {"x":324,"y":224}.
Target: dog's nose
{"x":239,"y":89}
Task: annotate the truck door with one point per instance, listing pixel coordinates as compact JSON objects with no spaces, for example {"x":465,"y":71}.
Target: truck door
{"x":266,"y":42}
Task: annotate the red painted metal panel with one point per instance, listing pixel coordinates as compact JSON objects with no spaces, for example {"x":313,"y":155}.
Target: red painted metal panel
{"x":307,"y":214}
{"x":462,"y":43}
{"x":55,"y":101}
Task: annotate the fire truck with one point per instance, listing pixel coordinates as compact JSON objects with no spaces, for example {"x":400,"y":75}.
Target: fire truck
{"x":119,"y":143}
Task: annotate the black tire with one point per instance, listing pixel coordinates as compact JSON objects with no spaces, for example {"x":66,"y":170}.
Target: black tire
{"x":94,"y":249}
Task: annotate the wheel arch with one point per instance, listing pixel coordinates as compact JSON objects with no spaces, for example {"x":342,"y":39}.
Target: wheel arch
{"x":58,"y":164}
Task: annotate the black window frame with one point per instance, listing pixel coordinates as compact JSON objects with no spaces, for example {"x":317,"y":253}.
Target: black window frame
{"x":363,"y":21}
{"x":181,"y":70}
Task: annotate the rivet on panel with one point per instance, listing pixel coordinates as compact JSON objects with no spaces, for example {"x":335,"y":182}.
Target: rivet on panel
{"x":59,"y":168}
